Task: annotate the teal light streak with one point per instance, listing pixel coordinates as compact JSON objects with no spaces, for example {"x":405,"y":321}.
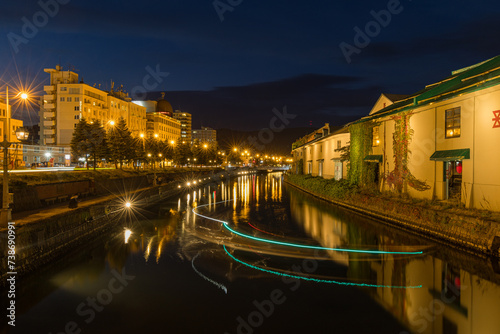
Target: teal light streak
{"x":321,"y":280}
{"x":282,"y":243}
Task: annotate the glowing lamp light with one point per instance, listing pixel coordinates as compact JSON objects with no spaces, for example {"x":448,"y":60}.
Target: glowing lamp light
{"x":24,"y":96}
{"x":188,"y":184}
{"x":128,"y":205}
{"x":179,"y":186}
{"x":112,"y":123}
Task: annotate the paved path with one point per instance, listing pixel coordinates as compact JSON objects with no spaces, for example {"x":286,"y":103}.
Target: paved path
{"x":26,"y":217}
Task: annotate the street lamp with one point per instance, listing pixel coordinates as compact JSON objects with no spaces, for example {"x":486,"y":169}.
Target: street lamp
{"x":47,"y":155}
{"x":5,"y":213}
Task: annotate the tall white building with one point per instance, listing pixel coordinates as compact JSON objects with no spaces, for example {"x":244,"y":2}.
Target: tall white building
{"x":66,"y":101}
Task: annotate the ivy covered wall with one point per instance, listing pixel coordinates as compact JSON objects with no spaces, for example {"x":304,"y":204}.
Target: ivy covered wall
{"x":361,"y":172}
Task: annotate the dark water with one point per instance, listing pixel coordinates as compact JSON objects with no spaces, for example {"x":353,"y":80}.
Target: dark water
{"x":166,"y":270}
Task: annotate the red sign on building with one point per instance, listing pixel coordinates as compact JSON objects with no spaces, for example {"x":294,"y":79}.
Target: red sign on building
{"x":496,"y":120}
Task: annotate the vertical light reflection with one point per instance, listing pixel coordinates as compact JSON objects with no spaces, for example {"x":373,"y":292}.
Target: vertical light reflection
{"x":266,"y":187}
{"x":280,"y":189}
{"x":257,"y":193}
{"x":158,"y":250}
{"x":209,"y":201}
{"x":179,"y":205}
{"x":128,"y":233}
{"x":234,"y":195}
{"x":273,"y":190}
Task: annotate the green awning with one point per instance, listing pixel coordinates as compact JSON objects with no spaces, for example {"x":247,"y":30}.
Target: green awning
{"x":373,"y":158}
{"x":450,"y":155}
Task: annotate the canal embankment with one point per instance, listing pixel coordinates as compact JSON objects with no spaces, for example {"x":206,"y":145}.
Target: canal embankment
{"x":473,"y":231}
{"x":43,"y":235}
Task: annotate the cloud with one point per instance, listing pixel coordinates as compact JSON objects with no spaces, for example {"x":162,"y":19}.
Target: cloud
{"x":312,"y":97}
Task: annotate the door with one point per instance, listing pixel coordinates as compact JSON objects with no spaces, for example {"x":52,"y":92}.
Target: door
{"x":338,"y":170}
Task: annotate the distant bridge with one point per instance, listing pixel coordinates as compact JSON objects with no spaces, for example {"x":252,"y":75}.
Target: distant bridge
{"x":271,"y":169}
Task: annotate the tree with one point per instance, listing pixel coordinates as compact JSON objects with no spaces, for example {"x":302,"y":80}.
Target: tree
{"x":80,"y":141}
{"x":181,"y":153}
{"x":97,"y":144}
{"x":120,"y":143}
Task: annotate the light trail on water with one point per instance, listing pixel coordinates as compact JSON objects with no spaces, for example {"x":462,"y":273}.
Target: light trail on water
{"x":289,"y":244}
{"x":320,"y":280}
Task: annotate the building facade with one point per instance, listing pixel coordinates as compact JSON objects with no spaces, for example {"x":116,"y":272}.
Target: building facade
{"x":48,"y":156}
{"x":442,"y":143}
{"x":67,"y":100}
{"x":15,"y":149}
{"x":317,"y":153}
{"x":185,"y":119}
{"x":162,"y":127}
{"x":205,"y":135}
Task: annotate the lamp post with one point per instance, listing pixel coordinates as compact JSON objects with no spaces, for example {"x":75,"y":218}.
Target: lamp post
{"x":5,"y":213}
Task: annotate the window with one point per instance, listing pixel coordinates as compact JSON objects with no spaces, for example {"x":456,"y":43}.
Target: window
{"x":77,"y":99}
{"x":68,"y":99}
{"x":36,"y":149}
{"x":452,"y":123}
{"x":74,"y":90}
{"x":64,"y":89}
{"x":77,"y":108}
{"x":77,"y":116}
{"x":61,"y":99}
{"x":339,"y":144}
{"x":61,"y":149}
{"x":376,"y":137}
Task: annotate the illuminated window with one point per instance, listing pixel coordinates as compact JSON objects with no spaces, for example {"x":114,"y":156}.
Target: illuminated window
{"x":452,"y":123}
{"x":376,"y":136}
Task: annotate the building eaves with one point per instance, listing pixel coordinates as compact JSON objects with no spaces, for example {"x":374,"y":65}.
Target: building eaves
{"x":482,"y":76}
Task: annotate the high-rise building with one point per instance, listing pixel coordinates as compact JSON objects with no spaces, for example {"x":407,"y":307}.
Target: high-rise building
{"x":205,"y":135}
{"x":67,"y":100}
{"x":185,"y":119}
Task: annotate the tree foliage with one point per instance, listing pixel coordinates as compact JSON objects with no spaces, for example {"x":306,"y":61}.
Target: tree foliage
{"x":120,"y":143}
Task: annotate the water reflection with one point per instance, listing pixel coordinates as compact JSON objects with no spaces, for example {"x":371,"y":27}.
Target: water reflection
{"x":444,"y":304}
{"x":453,"y":300}
{"x":173,"y":253}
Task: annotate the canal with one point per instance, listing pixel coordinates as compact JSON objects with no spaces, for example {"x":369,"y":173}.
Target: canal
{"x":255,"y":255}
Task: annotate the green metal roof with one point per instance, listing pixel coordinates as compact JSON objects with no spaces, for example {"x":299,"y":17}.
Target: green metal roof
{"x":449,"y":155}
{"x":373,"y":158}
{"x":476,"y":77}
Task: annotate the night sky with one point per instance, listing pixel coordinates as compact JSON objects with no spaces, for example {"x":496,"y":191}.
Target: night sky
{"x":231,"y":66}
